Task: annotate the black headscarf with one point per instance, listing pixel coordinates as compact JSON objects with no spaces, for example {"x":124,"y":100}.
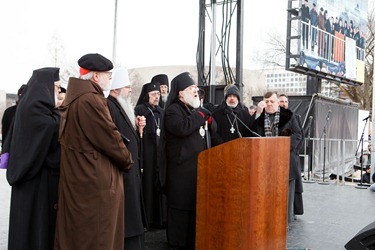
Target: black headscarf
{"x":35,"y":129}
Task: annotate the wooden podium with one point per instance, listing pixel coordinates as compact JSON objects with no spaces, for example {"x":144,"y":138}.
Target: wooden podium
{"x":242,"y":195}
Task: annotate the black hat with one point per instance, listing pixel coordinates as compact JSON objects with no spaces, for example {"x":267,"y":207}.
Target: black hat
{"x":179,"y":83}
{"x":232,"y":90}
{"x":182,"y":81}
{"x":94,"y":62}
{"x":151,"y":87}
{"x":148,"y":87}
{"x":161,"y":78}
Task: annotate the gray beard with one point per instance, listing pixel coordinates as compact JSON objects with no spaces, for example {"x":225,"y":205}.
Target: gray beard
{"x":231,"y":105}
{"x":128,"y":107}
{"x":164,"y":98}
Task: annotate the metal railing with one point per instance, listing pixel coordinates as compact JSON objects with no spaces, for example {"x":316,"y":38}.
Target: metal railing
{"x":340,"y":158}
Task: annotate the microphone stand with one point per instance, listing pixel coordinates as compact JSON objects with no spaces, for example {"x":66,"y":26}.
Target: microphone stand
{"x":254,"y":133}
{"x":309,"y":162}
{"x":324,"y":148}
{"x":361,"y":185}
{"x":238,"y":130}
{"x":208,"y":136}
{"x":207,"y":132}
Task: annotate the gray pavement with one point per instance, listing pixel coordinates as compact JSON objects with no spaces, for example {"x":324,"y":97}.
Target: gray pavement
{"x":334,"y":214}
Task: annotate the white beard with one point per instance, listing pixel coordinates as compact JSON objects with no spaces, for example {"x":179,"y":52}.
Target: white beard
{"x":104,"y":83}
{"x":191,"y":100}
{"x":164,"y":98}
{"x":128,"y":107}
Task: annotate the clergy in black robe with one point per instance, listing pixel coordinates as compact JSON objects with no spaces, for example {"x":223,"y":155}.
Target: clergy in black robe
{"x":155,"y":201}
{"x":233,"y":120}
{"x":185,"y":137}
{"x":122,"y":112}
{"x":34,"y":163}
{"x":163,"y":80}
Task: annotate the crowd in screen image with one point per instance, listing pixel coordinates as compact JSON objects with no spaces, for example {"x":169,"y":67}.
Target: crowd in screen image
{"x":326,"y":34}
{"x":91,"y":170}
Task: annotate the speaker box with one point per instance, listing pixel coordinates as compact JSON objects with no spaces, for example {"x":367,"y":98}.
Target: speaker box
{"x":364,"y":240}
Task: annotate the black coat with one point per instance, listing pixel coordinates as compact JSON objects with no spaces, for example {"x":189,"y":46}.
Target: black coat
{"x":183,"y":144}
{"x":34,"y":164}
{"x":225,"y":116}
{"x":134,"y":209}
{"x":288,"y":125}
{"x":155,"y":204}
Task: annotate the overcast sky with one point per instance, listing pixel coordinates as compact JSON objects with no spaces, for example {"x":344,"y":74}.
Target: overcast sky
{"x":150,"y":32}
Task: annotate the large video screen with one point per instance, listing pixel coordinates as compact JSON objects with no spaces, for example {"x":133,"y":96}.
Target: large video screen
{"x":330,"y":39}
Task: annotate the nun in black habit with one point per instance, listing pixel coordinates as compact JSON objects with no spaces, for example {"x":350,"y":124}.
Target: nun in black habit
{"x":154,"y":200}
{"x":34,"y":162}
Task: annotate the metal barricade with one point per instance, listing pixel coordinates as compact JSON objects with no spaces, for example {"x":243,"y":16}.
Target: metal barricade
{"x":340,"y":158}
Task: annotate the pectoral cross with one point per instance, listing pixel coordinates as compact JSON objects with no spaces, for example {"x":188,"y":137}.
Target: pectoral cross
{"x":232,"y":130}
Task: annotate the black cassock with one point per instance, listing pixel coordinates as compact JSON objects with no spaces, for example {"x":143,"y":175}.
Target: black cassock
{"x":134,"y":208}
{"x":34,"y":164}
{"x":155,"y":201}
{"x":183,"y":143}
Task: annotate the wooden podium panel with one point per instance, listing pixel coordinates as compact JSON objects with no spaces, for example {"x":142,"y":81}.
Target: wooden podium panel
{"x":242,"y":195}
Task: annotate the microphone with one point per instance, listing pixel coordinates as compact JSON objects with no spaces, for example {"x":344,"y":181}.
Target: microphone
{"x":310,"y":121}
{"x":235,"y":116}
{"x":366,"y":118}
{"x":328,"y":114}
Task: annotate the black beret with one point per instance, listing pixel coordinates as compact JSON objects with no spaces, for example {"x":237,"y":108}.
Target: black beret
{"x":161,"y":78}
{"x":152,"y":87}
{"x":95,"y":62}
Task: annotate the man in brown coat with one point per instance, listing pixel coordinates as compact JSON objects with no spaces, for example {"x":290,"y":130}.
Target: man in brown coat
{"x":93,"y":158}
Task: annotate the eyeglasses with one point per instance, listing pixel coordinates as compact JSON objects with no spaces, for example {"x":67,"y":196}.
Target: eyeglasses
{"x":153,"y":94}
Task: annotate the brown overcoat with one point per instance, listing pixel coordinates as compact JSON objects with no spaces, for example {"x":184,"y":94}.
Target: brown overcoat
{"x":93,"y":158}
